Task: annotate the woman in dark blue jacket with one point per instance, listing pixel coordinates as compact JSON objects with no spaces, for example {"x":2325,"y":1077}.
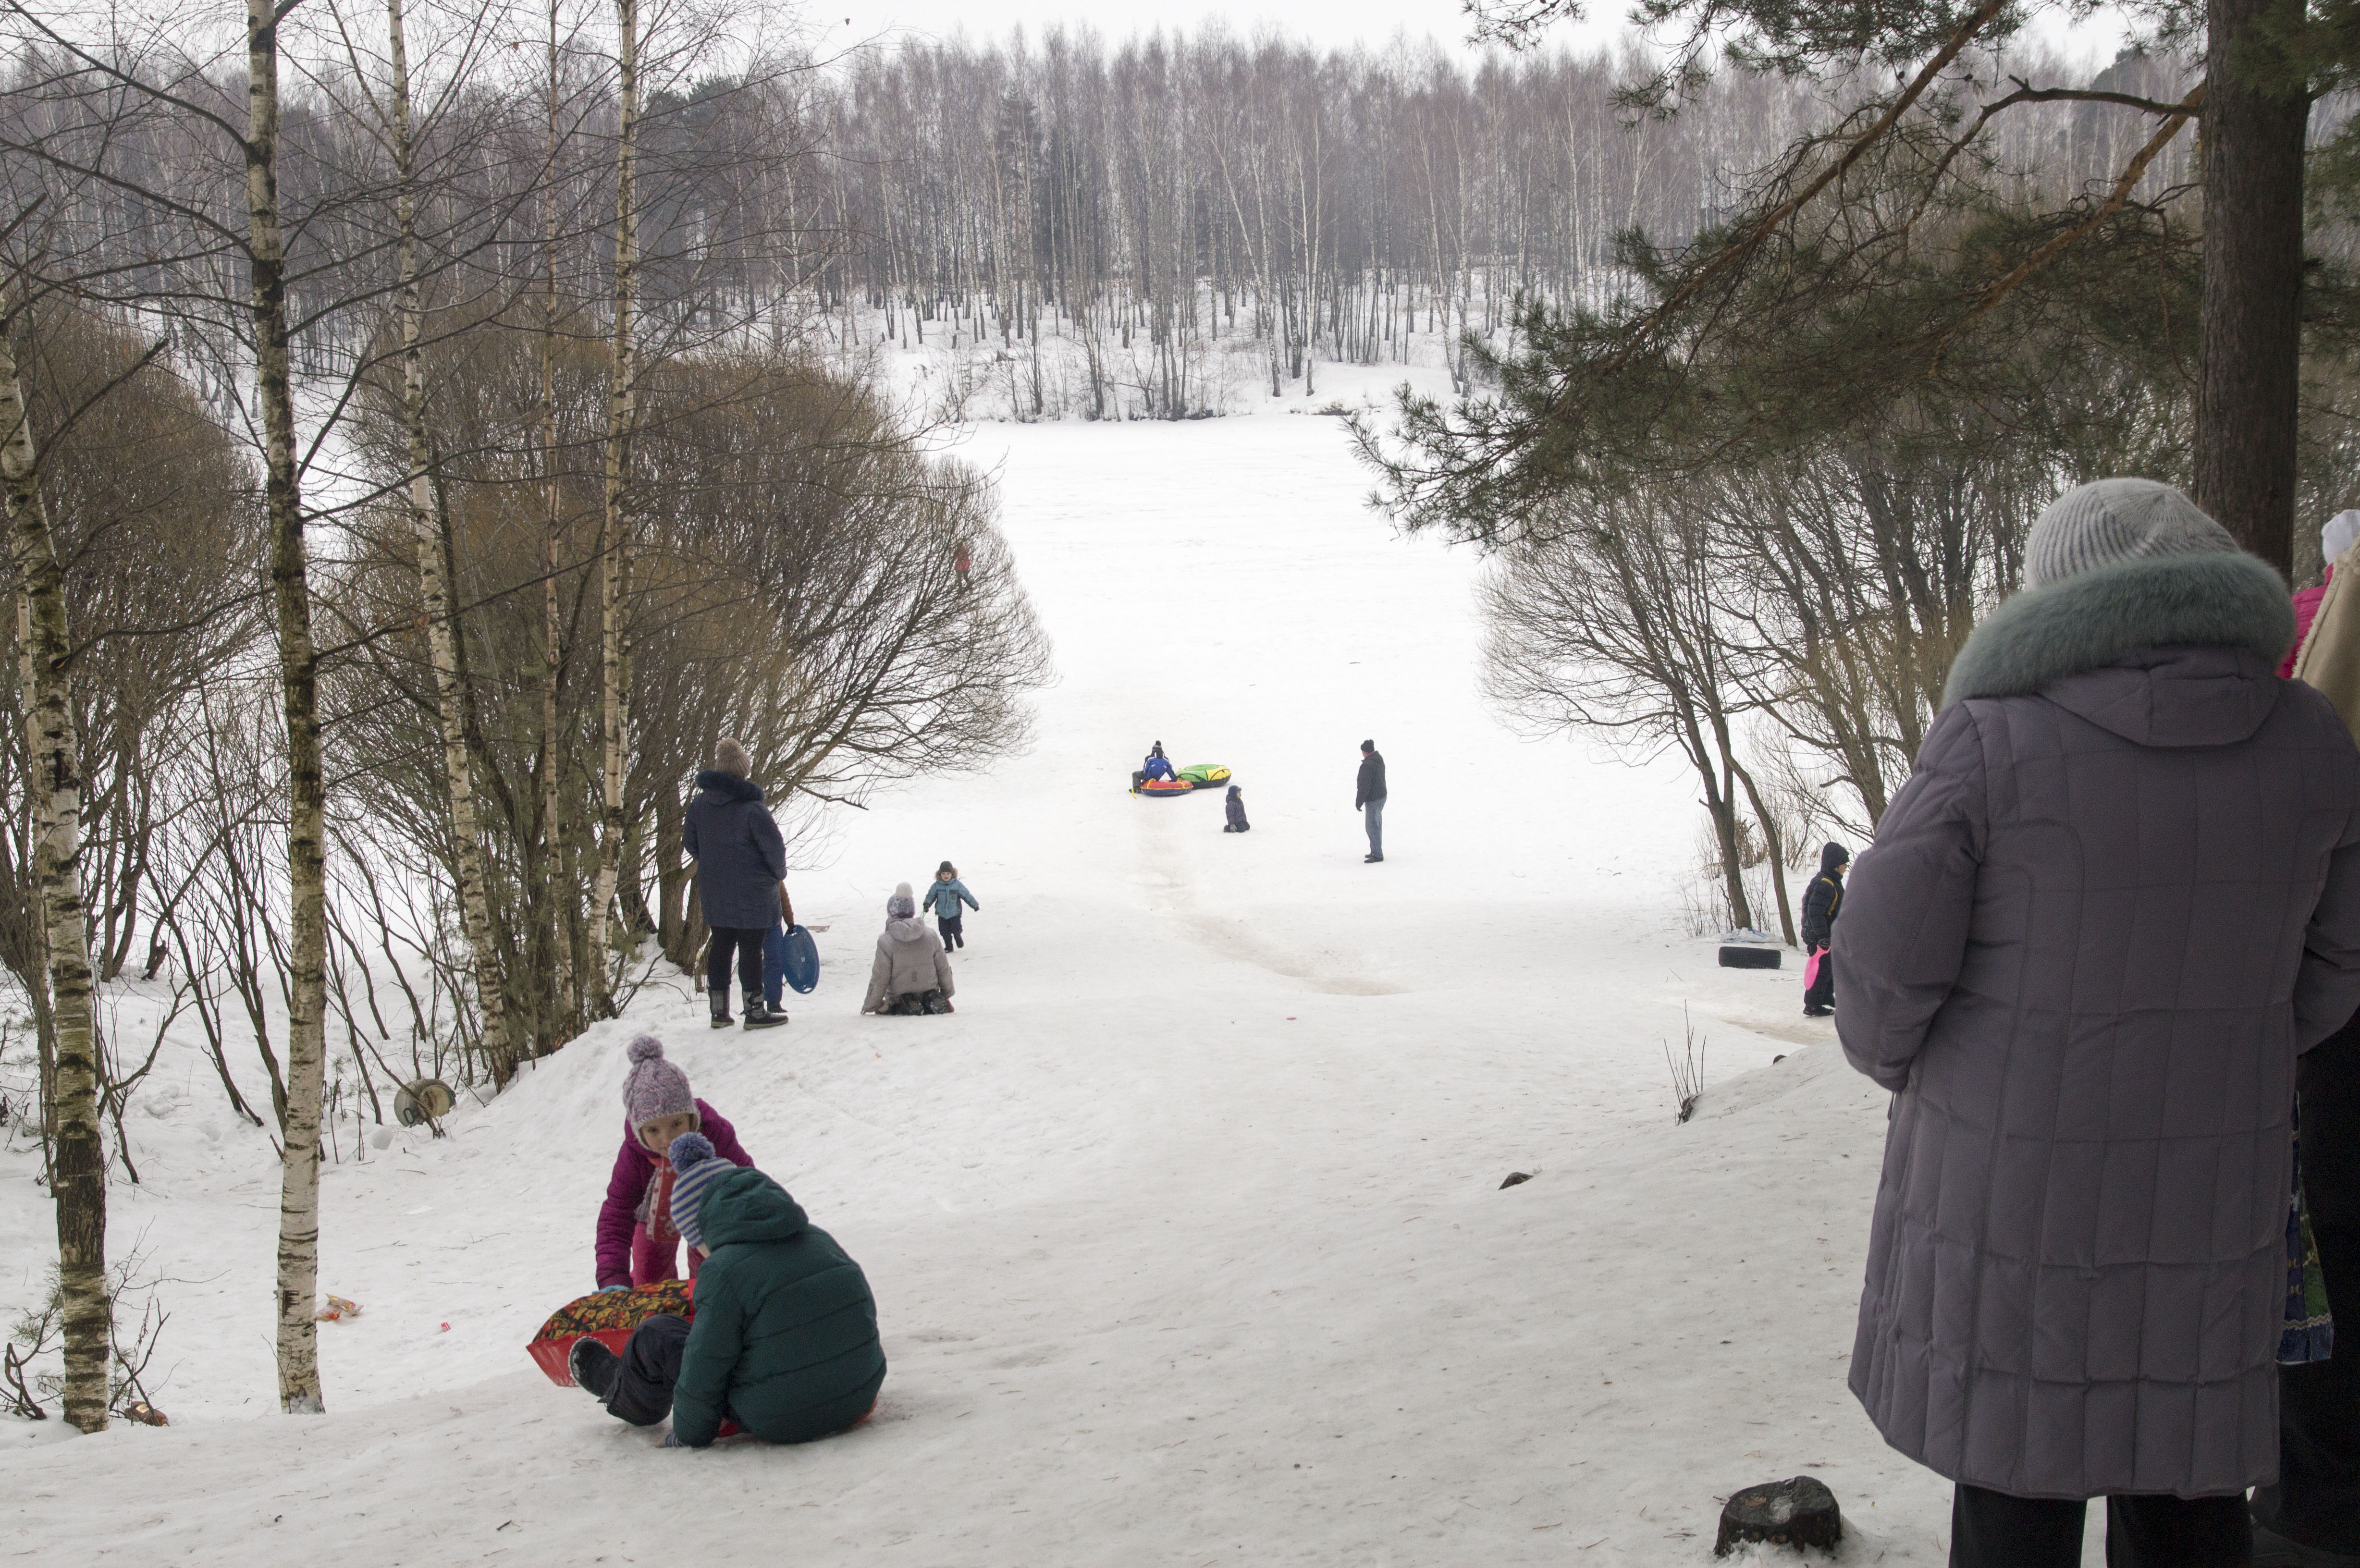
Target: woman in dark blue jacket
{"x":741,"y":863}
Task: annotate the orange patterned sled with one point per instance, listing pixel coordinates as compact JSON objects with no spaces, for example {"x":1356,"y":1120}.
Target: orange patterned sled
{"x":608,"y":1317}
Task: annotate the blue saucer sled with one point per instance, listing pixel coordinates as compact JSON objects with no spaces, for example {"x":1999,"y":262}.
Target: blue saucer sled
{"x":790,"y":954}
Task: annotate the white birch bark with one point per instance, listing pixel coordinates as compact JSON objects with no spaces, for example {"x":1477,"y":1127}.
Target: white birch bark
{"x":552,"y":753}
{"x":307,"y":948}
{"x":622,"y":412}
{"x":430,"y":525}
{"x":78,"y":1170}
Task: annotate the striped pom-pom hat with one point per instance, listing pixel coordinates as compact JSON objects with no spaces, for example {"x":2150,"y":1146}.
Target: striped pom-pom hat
{"x":694,"y":1168}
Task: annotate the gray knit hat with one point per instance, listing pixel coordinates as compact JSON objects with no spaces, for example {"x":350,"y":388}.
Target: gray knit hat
{"x":729,"y":756}
{"x":902,"y":905}
{"x":2110,"y":520}
{"x":654,"y":1087}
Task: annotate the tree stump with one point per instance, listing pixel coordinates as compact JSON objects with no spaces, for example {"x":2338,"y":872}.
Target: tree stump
{"x":1800,"y":1512}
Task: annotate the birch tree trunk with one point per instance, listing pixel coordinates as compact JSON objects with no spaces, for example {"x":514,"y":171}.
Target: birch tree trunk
{"x":44,"y":1037}
{"x":622,"y":410}
{"x":553,"y":754}
{"x":432,"y":528}
{"x":307,"y":947}
{"x":78,"y":1171}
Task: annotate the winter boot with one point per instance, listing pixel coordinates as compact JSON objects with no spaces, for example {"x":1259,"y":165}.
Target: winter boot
{"x":592,"y":1367}
{"x":720,"y":1000}
{"x":759,"y":1014}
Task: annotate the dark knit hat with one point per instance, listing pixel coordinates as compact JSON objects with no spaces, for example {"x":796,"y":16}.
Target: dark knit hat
{"x":694,"y":1168}
{"x":654,"y":1087}
{"x":1368,"y":745}
{"x":945,"y":869}
{"x":2111,"y":520}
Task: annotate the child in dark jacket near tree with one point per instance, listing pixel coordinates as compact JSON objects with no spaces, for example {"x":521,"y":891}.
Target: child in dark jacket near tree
{"x":944,"y":898}
{"x":785,"y":1342}
{"x":1821,"y":902}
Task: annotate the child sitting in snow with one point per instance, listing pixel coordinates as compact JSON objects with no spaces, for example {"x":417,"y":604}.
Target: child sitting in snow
{"x":1235,"y":806}
{"x":943,"y":898}
{"x":785,"y":1342}
{"x":911,"y":973}
{"x":636,"y":1242}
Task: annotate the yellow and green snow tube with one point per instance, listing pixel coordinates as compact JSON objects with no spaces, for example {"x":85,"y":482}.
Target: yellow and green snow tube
{"x":1205,"y":776}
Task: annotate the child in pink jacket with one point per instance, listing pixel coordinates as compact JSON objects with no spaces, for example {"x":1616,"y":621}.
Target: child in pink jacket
{"x":637,"y":1242}
{"x":2341,"y":532}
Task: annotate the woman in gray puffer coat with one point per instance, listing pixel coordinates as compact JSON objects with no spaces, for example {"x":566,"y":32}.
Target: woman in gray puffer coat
{"x":2117,"y":897}
{"x":912,"y":973}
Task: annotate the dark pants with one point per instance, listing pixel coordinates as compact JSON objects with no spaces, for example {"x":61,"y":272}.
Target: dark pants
{"x":1821,"y":992}
{"x":774,"y":966}
{"x":644,"y":1376}
{"x":2317,"y":1500}
{"x":1992,"y":1530}
{"x":954,"y":929}
{"x":912,"y":1003}
{"x":746,"y":943}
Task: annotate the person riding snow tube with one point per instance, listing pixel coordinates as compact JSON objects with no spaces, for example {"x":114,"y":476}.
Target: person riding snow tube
{"x":1157,"y":765}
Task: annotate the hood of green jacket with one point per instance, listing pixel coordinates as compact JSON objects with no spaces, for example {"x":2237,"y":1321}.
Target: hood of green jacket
{"x":746,"y":1205}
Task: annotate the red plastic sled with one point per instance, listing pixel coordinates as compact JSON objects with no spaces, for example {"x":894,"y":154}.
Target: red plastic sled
{"x":607,"y":1316}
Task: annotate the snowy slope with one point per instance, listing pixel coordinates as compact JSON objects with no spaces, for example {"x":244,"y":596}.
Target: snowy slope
{"x":1186,"y":1230}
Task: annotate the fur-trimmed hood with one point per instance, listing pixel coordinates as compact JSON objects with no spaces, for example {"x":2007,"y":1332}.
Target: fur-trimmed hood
{"x":2107,"y":617}
{"x":727,"y":786}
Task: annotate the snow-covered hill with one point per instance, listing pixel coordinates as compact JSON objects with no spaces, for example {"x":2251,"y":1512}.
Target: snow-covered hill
{"x":1187,"y":1230}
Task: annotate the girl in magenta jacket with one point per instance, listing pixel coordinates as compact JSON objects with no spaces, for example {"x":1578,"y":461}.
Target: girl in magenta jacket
{"x":636,"y":1242}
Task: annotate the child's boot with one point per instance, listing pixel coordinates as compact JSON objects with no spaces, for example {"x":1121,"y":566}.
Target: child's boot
{"x":592,"y":1366}
{"x":759,"y":1014}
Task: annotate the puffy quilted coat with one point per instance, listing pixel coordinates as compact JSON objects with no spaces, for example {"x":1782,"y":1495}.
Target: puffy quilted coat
{"x":2118,"y":896}
{"x":908,"y":958}
{"x":2306,"y":611}
{"x":740,"y":858}
{"x":627,"y":1190}
{"x":785,"y":1335}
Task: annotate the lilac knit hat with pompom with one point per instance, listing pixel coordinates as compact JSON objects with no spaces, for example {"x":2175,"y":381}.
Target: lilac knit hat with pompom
{"x":654,"y":1087}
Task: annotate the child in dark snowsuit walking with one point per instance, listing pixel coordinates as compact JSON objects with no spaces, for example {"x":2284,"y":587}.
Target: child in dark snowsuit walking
{"x":943,"y":900}
{"x":1822,"y":900}
{"x":1236,"y":807}
{"x":785,"y":1344}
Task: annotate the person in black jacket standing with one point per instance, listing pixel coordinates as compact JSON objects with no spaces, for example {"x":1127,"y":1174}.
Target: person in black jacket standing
{"x":1368,"y":800}
{"x":1822,"y":900}
{"x":741,"y":870}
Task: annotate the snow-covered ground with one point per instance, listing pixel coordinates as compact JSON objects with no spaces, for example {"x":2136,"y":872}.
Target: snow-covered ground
{"x":1186,"y":1230}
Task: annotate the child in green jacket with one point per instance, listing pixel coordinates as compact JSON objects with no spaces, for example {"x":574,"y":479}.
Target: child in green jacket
{"x":784,"y":1342}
